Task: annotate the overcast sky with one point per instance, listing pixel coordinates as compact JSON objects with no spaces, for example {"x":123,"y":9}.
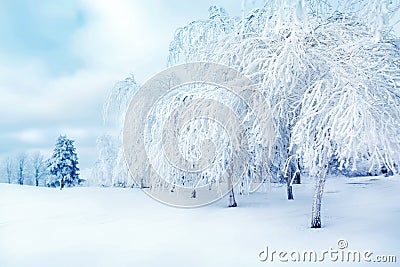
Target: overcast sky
{"x":59,"y":59}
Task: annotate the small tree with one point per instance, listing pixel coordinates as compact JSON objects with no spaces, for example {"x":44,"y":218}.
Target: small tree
{"x":110,"y":168}
{"x":63,"y":164}
{"x":9,"y":169}
{"x":21,"y":168}
{"x":38,"y":165}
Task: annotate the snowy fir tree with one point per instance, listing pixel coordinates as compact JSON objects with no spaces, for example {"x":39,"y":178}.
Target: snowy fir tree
{"x":63,"y":165}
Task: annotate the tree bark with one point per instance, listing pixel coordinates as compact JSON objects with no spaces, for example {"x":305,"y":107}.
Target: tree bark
{"x":297,"y":178}
{"x":62,"y":183}
{"x":9,"y":170}
{"x":36,"y":176}
{"x":319,"y":190}
{"x":288,"y":177}
{"x":194,"y":193}
{"x":232,"y":201}
{"x":289,"y":190}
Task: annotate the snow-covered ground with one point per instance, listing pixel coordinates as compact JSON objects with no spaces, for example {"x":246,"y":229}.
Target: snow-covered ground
{"x":124,"y":227}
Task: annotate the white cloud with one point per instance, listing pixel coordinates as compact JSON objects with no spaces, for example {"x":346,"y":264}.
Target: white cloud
{"x":125,"y":36}
{"x":31,"y":136}
{"x":117,"y":38}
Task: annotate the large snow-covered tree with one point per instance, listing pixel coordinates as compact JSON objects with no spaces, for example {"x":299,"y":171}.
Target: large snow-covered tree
{"x":352,"y":112}
{"x":271,"y":46}
{"x":219,"y":39}
{"x":63,"y":164}
{"x":330,"y":74}
{"x":212,"y":116}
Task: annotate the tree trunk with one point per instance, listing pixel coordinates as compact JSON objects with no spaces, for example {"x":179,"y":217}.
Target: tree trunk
{"x":36,"y":176}
{"x":62,"y":183}
{"x":232,"y":201}
{"x":289,"y":190}
{"x":9,"y":170}
{"x":21,"y":177}
{"x":194,"y":193}
{"x":319,"y":190}
{"x":297,"y":175}
{"x":288,"y":177}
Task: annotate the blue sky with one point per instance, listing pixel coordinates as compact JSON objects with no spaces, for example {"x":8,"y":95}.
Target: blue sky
{"x":59,"y":59}
{"x":33,"y":29}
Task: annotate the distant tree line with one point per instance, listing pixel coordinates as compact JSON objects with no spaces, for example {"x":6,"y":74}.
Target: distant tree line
{"x":60,"y":170}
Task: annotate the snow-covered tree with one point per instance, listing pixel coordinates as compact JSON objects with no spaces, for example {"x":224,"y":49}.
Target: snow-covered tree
{"x":193,"y":41}
{"x":38,"y":166}
{"x":213,"y":115}
{"x":270,"y":45}
{"x":330,"y":74}
{"x":63,"y":164}
{"x":104,"y":167}
{"x":110,"y":168}
{"x":8,"y":166}
{"x":21,"y":168}
{"x":352,"y":112}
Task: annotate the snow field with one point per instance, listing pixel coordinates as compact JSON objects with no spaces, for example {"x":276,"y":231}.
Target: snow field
{"x":88,"y":226}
